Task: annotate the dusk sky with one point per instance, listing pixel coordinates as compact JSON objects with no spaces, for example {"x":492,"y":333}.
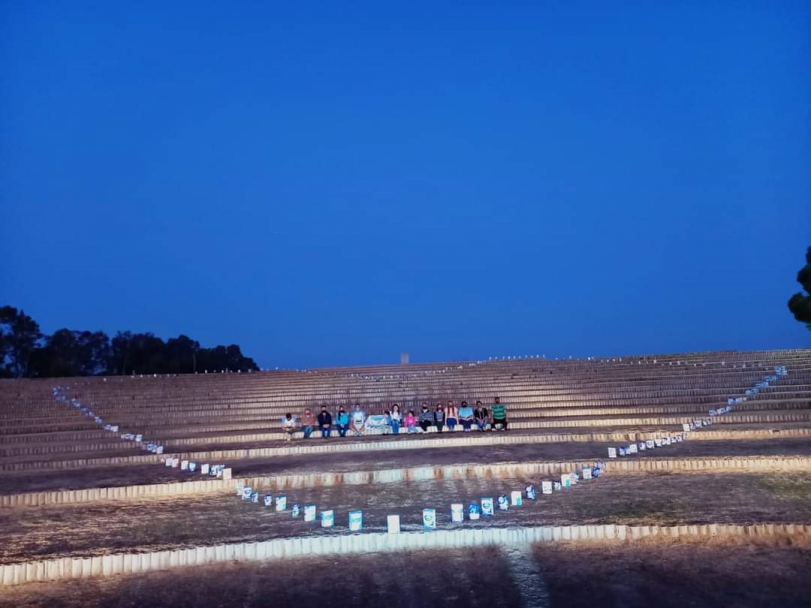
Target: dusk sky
{"x":332,"y":183}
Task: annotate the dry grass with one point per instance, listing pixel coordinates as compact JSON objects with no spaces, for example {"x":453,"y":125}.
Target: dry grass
{"x":664,"y":498}
{"x":11,"y":483}
{"x":705,"y":574}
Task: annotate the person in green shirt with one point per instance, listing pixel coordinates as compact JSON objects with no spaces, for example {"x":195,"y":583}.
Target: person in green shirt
{"x":499,"y":414}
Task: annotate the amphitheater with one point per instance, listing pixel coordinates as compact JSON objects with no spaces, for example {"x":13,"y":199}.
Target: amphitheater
{"x":90,"y":516}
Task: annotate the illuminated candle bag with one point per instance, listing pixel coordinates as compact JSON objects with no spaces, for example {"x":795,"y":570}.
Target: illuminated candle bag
{"x":327,"y":519}
{"x":558,"y":486}
{"x":516,"y":498}
{"x":457,"y":513}
{"x":565,"y":481}
{"x":612,"y":452}
{"x":503,"y":503}
{"x":531,"y":494}
{"x":429,"y":519}
{"x":255,"y":497}
{"x":296,"y":510}
{"x":246,"y":493}
{"x":546,"y":487}
{"x":281,"y":503}
{"x":650,"y":444}
{"x":393,"y":524}
{"x":204,"y":469}
{"x":240,"y":487}
{"x":309,"y":512}
{"x":268,"y":500}
{"x":586,"y":473}
{"x":473,"y":511}
{"x":487,"y":507}
{"x":355,"y":521}
{"x":192,"y":467}
{"x":184,"y":465}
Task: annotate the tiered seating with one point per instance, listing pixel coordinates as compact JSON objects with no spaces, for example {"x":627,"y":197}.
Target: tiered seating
{"x":123,"y":503}
{"x":225,"y":411}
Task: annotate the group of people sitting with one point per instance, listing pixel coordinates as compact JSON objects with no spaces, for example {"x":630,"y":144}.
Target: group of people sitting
{"x":354,"y":422}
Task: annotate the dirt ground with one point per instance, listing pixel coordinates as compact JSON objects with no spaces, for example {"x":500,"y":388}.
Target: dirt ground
{"x":152,"y":525}
{"x":11,"y":483}
{"x":699,"y":574}
{"x":706,"y":574}
{"x":362,"y":461}
{"x":78,"y":479}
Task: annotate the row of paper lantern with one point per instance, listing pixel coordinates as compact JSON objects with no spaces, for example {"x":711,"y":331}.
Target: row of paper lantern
{"x":634,"y":448}
{"x":111,"y":428}
{"x":486,"y":507}
{"x":214,"y":470}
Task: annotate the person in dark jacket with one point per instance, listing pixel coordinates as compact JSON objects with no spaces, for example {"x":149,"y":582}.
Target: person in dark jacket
{"x":426,"y":418}
{"x":439,"y":418}
{"x":325,"y":422}
{"x":481,"y":416}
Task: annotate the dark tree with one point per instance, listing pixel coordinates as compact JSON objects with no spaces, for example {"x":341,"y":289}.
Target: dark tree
{"x":24,"y":353}
{"x":5,"y":348}
{"x":21,"y":336}
{"x":182,"y":352}
{"x":228,"y":358}
{"x":71,"y":353}
{"x":800,"y":303}
{"x":147,"y":354}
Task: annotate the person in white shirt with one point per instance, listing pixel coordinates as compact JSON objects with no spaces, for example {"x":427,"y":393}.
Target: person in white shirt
{"x":289,"y":425}
{"x":357,"y":420}
{"x":395,"y":419}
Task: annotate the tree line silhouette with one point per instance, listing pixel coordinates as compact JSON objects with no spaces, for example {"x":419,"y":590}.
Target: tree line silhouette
{"x":800,"y":303}
{"x":25,"y":352}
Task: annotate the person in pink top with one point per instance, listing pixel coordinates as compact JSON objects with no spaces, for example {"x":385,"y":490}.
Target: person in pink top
{"x":410,"y":421}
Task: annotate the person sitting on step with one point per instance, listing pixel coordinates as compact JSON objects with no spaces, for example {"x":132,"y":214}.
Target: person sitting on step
{"x":499,"y":413}
{"x":481,"y":416}
{"x":451,"y":416}
{"x":395,"y":419}
{"x":289,"y":425}
{"x":307,"y":423}
{"x":410,"y":421}
{"x":466,"y":416}
{"x":426,"y":418}
{"x":357,"y":420}
{"x":342,"y":421}
{"x":439,"y":418}
{"x":325,"y":422}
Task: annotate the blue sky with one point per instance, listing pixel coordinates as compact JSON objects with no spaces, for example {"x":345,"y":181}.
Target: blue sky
{"x":331,"y":183}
